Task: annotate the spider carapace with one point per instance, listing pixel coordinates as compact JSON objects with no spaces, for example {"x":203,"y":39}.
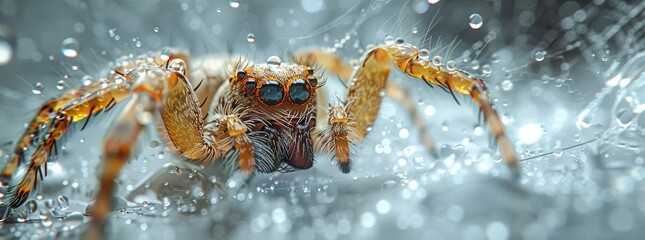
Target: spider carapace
{"x":262,"y":117}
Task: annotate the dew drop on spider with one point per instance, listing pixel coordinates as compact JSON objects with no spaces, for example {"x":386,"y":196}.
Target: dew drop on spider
{"x":250,"y":38}
{"x":38,"y":88}
{"x":476,"y":21}
{"x":424,"y":54}
{"x":437,"y":60}
{"x":177,"y":65}
{"x":451,"y":65}
{"x":274,"y":61}
{"x":70,"y":47}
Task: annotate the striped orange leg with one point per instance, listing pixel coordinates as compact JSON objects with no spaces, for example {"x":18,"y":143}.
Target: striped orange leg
{"x":338,"y":126}
{"x":67,"y":110}
{"x":364,"y":96}
{"x":117,"y":149}
{"x":30,"y":134}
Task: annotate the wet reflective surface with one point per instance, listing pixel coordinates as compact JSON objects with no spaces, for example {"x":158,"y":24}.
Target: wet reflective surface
{"x":566,"y":78}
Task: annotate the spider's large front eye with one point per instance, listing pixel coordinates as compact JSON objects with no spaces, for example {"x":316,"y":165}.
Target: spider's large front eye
{"x":299,"y":91}
{"x":271,"y":92}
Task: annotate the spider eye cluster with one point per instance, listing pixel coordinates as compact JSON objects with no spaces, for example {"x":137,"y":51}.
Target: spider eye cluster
{"x":273,"y":92}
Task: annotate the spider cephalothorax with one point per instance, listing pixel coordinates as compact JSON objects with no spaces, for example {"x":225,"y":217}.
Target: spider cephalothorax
{"x":278,"y":103}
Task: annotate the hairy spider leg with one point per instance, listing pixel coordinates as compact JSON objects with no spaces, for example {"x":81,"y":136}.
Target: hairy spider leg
{"x":180,"y":122}
{"x":74,"y":106}
{"x":333,"y":63}
{"x":364,"y":94}
{"x":117,"y":149}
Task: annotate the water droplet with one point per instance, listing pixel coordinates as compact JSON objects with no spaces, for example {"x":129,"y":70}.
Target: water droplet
{"x":584,"y":119}
{"x":624,"y":117}
{"x":486,"y":69}
{"x":400,"y":41}
{"x":430,"y":110}
{"x":32,"y":206}
{"x":539,"y":55}
{"x":507,"y":85}
{"x":234,"y":3}
{"x":177,"y":65}
{"x":577,"y":137}
{"x":63,"y":202}
{"x":388,"y":184}
{"x":6,"y":51}
{"x":433,"y":1}
{"x":383,"y":206}
{"x":424,"y":54}
{"x":250,"y":38}
{"x":274,"y":61}
{"x":70,"y":47}
{"x":418,"y":161}
{"x":557,"y":151}
{"x":414,"y":30}
{"x":404,"y":133}
{"x":497,"y":230}
{"x":86,"y":80}
{"x":38,"y":88}
{"x":112,"y":32}
{"x":156,"y":29}
{"x":437,"y":60}
{"x":451,"y":65}
{"x":4,"y":211}
{"x":154,"y":144}
{"x":165,"y":53}
{"x":476,"y":21}
{"x":474,"y":65}
{"x":389,"y":40}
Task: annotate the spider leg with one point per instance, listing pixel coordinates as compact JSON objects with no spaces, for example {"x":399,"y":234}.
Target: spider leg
{"x":59,"y":114}
{"x":364,"y":96}
{"x":117,"y":149}
{"x":334,"y":64}
{"x":399,"y":93}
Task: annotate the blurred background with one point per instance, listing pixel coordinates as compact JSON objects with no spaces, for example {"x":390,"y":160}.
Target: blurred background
{"x":566,"y":77}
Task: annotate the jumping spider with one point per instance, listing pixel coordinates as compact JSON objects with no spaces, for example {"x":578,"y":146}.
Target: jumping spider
{"x":266,"y":117}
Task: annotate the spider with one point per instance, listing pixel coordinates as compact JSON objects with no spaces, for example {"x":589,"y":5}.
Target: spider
{"x":264,"y":117}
